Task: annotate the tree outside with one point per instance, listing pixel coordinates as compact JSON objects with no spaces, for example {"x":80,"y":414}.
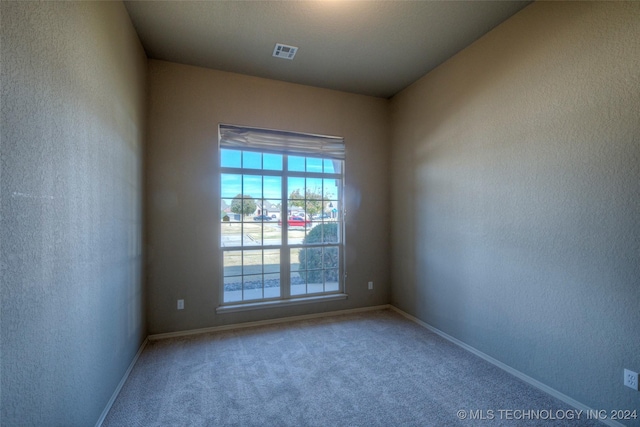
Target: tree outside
{"x":243,"y":205}
{"x":311,"y":202}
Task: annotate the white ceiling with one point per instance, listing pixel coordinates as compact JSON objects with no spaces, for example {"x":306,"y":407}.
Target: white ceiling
{"x":368,"y":47}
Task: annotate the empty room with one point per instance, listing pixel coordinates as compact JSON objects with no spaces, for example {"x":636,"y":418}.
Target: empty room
{"x":320,"y":213}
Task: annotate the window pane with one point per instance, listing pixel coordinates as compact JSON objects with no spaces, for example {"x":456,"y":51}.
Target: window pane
{"x":330,"y":189}
{"x":330,"y":258}
{"x":272,"y":261}
{"x":307,"y":238}
{"x":313,"y":208}
{"x":225,"y":209}
{"x":331,"y":282}
{"x":296,"y":163}
{"x":272,"y":232}
{"x":314,"y":164}
{"x":313,"y":259}
{"x":314,"y":188}
{"x":252,"y":187}
{"x":230,"y":234}
{"x":272,"y":187}
{"x":315,"y":287}
{"x":271,"y":209}
{"x":252,"y":262}
{"x":331,"y":210}
{"x":253,"y":233}
{"x":296,"y":229}
{"x":232,"y":261}
{"x":296,"y":193}
{"x":251,"y":160}
{"x":272,"y":285}
{"x":230,"y":158}
{"x":230,"y":185}
{"x":232,"y":289}
{"x":272,"y":162}
{"x":295,"y":236}
{"x":298,"y":283}
{"x":329,"y":232}
{"x":332,"y":166}
{"x":252,"y":287}
{"x":298,"y":258}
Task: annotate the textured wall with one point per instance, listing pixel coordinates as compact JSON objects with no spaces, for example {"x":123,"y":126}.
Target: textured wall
{"x":182,"y":185}
{"x":73,"y":82}
{"x":516,"y":194}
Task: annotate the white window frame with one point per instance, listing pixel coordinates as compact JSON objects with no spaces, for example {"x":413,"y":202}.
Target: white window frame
{"x":292,"y":144}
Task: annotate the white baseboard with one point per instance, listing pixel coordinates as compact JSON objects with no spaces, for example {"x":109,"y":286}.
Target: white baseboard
{"x":121,"y":384}
{"x":531,"y":381}
{"x":156,"y":337}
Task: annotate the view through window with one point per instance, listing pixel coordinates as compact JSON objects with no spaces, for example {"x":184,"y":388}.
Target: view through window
{"x":281,"y":215}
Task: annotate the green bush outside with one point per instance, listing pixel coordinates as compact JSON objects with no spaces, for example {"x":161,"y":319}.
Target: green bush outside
{"x":317,"y":260}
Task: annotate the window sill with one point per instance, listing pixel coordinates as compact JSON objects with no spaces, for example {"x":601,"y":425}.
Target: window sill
{"x":279,"y":303}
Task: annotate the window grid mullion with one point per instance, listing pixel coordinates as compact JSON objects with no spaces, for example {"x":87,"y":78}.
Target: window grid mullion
{"x":242,"y":231}
{"x":285,"y":257}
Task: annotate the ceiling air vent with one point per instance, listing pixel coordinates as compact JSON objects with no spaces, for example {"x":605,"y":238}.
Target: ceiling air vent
{"x":284,"y":51}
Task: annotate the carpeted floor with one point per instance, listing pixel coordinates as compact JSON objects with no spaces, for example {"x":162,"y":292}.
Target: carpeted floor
{"x":370,"y":369}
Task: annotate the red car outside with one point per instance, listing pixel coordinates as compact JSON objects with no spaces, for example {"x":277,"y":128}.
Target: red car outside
{"x":296,"y":221}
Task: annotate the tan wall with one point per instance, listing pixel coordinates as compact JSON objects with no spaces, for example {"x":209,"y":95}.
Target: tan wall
{"x":182,"y":183}
{"x":73,"y":114}
{"x":516,"y":191}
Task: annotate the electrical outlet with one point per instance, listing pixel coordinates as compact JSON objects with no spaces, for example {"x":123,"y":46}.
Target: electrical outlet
{"x":370,"y":286}
{"x":631,"y":379}
{"x":180,"y":304}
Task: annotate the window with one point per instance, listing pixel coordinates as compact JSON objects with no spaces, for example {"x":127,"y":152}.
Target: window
{"x":281,"y":219}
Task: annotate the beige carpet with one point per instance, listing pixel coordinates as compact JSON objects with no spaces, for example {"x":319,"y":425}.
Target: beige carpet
{"x":369,"y":369}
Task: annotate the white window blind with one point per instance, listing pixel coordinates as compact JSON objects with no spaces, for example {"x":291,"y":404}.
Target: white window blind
{"x":276,"y":141}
